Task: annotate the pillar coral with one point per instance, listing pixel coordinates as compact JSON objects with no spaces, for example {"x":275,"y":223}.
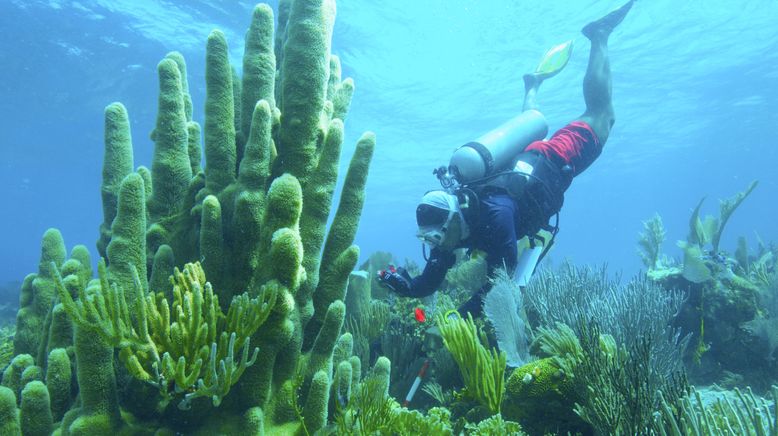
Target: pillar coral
{"x":256,"y":217}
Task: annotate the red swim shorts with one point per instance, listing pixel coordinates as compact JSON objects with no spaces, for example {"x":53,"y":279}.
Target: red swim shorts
{"x":575,"y":144}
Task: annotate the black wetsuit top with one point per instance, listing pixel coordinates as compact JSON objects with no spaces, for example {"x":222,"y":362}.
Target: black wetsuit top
{"x":495,"y":231}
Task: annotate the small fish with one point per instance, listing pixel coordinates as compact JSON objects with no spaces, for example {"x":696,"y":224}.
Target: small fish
{"x":420,"y":315}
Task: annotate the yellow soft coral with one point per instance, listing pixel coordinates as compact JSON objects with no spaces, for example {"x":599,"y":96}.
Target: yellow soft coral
{"x":483,"y":371}
{"x":195,"y":353}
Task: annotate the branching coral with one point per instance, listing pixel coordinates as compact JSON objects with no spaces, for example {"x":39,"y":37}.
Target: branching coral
{"x":614,"y":341}
{"x":708,"y":231}
{"x":650,"y":241}
{"x":194,"y":354}
{"x":562,"y":344}
{"x":436,"y":392}
{"x":494,"y":425}
{"x":640,"y":308}
{"x":617,"y":385}
{"x":483,"y":371}
{"x":689,"y":415}
{"x":367,"y":326}
{"x":411,"y":422}
{"x":614,"y":387}
{"x":369,"y":411}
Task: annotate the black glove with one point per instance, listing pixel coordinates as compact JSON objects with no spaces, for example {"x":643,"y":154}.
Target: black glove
{"x":396,"y":279}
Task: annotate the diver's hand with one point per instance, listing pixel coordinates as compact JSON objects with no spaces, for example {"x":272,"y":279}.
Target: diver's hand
{"x":396,"y":279}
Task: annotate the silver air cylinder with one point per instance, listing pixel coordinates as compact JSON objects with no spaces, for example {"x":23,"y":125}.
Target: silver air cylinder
{"x":496,"y":150}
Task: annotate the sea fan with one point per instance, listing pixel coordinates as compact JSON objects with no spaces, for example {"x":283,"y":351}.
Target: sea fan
{"x":501,"y":306}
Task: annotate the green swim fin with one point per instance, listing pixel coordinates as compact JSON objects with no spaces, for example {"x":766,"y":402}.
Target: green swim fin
{"x":554,"y":60}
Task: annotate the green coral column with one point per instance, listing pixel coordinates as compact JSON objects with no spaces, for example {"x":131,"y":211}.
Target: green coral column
{"x":340,"y":257}
{"x":282,"y":210}
{"x":171,"y":168}
{"x":35,"y":415}
{"x":193,"y":129}
{"x":9,"y":414}
{"x":99,"y":412}
{"x":178,"y":58}
{"x":127,"y":249}
{"x":279,"y":267}
{"x":250,"y":199}
{"x":316,"y":210}
{"x":305,"y":74}
{"x":219,"y":129}
{"x":37,"y":294}
{"x":259,"y":67}
{"x":117,"y":164}
{"x":58,"y":380}
{"x":340,"y":93}
{"x":315,"y":409}
{"x":212,"y":244}
{"x":321,"y":354}
{"x":162,"y":269}
{"x":13,"y":373}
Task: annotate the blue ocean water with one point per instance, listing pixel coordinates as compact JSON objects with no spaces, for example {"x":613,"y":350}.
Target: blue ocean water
{"x":695,"y":87}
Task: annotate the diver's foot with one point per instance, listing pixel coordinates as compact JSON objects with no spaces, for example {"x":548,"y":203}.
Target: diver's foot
{"x":603,"y":27}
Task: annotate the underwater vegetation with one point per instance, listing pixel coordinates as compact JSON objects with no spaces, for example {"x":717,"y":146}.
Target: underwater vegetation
{"x":604,"y":358}
{"x":218,"y":303}
{"x":224,"y":303}
{"x":730,"y":298}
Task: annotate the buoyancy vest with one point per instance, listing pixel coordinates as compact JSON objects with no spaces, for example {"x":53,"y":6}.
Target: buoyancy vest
{"x":536,"y":184}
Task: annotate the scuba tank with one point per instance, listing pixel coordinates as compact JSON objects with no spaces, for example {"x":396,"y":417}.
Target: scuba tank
{"x":496,"y":150}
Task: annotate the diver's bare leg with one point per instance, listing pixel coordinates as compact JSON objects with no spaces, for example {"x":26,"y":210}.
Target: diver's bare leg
{"x":599,"y":112}
{"x":531,"y":84}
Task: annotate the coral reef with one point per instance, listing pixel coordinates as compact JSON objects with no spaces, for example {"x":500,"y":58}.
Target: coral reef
{"x":371,"y":411}
{"x":728,"y":305}
{"x":224,"y":303}
{"x":253,"y":348}
{"x":607,"y":348}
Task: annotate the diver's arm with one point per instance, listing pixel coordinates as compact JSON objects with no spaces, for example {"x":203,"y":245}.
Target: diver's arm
{"x":434,"y":272}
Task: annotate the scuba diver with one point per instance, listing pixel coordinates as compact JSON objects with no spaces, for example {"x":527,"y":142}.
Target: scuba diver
{"x":510,"y":183}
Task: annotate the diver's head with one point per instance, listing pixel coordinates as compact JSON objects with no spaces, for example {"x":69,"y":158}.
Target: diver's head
{"x":440,"y":220}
